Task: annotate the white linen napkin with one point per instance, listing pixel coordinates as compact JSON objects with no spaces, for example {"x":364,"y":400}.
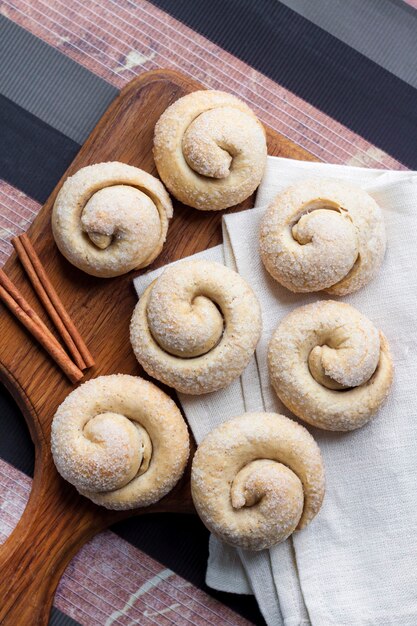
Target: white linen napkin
{"x":355,"y":563}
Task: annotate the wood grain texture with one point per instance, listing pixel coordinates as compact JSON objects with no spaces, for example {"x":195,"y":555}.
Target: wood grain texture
{"x":57,"y":521}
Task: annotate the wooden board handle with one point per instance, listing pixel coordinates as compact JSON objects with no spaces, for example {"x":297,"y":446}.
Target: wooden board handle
{"x":32,"y":560}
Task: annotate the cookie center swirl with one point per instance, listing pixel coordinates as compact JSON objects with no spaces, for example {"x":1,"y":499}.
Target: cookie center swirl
{"x":214,"y":139}
{"x":113,"y":436}
{"x":328,"y":241}
{"x":347,"y":355}
{"x":264,"y":481}
{"x":121,"y":212}
{"x":187,"y":324}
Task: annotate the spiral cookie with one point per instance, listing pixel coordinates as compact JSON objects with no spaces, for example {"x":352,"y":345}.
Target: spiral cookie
{"x":121,"y":441}
{"x":110,"y":218}
{"x":196,"y":327}
{"x":210,"y":150}
{"x":330,"y":366}
{"x":323,"y":235}
{"x":257,"y":478}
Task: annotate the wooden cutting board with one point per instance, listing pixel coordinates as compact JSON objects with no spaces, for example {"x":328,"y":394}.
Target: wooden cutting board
{"x":57,"y":521}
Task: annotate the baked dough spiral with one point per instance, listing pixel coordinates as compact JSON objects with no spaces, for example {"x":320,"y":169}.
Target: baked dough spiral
{"x":323,"y":235}
{"x":196,"y":327}
{"x":210,"y":150}
{"x":330,"y":366}
{"x":121,"y":441}
{"x":110,"y":218}
{"x":257,"y":478}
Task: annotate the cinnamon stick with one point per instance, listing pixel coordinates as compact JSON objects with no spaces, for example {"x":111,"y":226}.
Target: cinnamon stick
{"x":51,"y":301}
{"x":21,"y":309}
{"x":43,"y":296}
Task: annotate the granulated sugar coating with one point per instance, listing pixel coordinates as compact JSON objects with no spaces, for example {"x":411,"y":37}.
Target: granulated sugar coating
{"x":121,"y":441}
{"x":330,"y":365}
{"x":256,"y":479}
{"x":323,"y":235}
{"x":110,"y":218}
{"x":210,"y":150}
{"x":196,"y":327}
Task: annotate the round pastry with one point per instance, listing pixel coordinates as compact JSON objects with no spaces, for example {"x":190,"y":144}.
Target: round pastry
{"x":257,"y":478}
{"x":110,"y":218}
{"x":196,"y":327}
{"x":330,"y":366}
{"x":121,"y":441}
{"x":323,"y":235}
{"x":210,"y":150}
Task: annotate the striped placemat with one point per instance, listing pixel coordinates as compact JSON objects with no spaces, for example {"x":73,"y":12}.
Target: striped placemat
{"x":344,"y":99}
